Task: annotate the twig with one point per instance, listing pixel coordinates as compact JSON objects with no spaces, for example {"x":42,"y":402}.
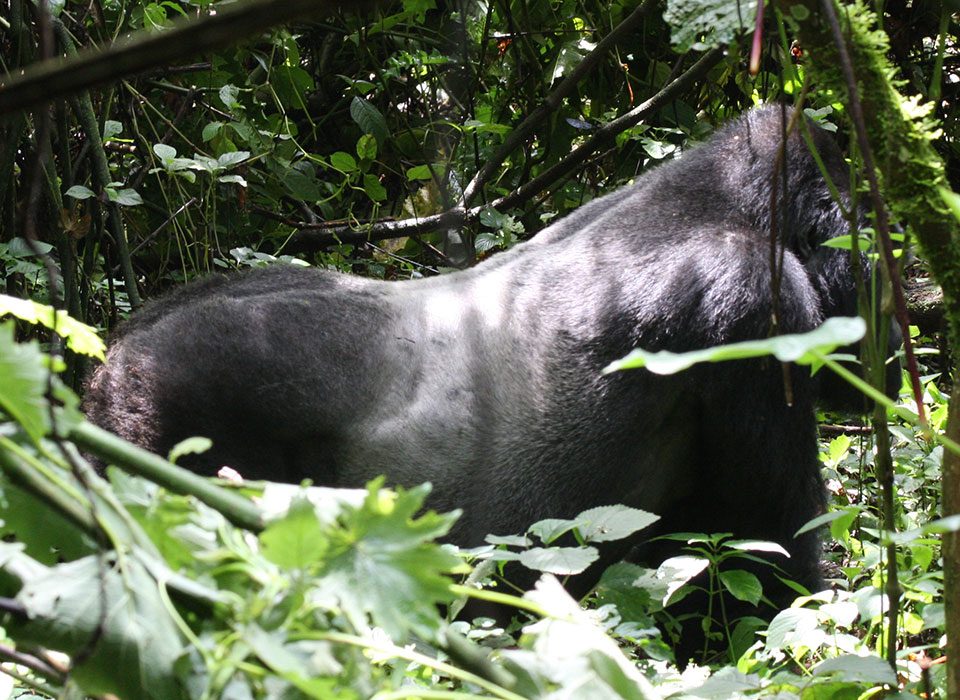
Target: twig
{"x":34,"y":663}
{"x":83,"y":108}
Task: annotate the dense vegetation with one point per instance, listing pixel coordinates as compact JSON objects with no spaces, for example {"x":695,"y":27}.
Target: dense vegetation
{"x":400,"y":141}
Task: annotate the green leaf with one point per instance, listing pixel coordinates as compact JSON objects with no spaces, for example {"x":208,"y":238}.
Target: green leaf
{"x":842,"y":613}
{"x":23,"y":383}
{"x":47,"y":534}
{"x":293,"y":664}
{"x":617,"y":586}
{"x":549,"y":529}
{"x":301,"y":185}
{"x":858,"y":669}
{"x":701,"y":24}
{"x":474,"y":125}
{"x":191,"y":446}
{"x":234,"y":179}
{"x":510,"y":540}
{"x":80,"y":337}
{"x":228,"y":95}
{"x":295,"y":541}
{"x":202,"y":163}
{"x":211,"y":130}
{"x":125,"y":197}
{"x":111,"y":128}
{"x":609,"y":523}
{"x":952,"y":200}
{"x":164,"y":152}
{"x":671,"y":576}
{"x":951,"y":523}
{"x":742,"y":585}
{"x":845,"y":242}
{"x":562,"y":561}
{"x":383,"y":564}
{"x":80,"y":192}
{"x":848,"y":512}
{"x":726,"y":683}
{"x":20,"y":248}
{"x":343,"y":162}
{"x":367,"y":147}
{"x":422,"y":172}
{"x":137,"y":640}
{"x":291,"y":84}
{"x":802,"y":348}
{"x":373,"y":188}
{"x":228,"y":160}
{"x":369,"y":118}
{"x":756,"y":546}
{"x":791,"y":626}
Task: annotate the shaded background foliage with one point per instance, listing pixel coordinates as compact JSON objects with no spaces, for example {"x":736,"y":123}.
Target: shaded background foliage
{"x":296,"y":141}
{"x":324,"y":140}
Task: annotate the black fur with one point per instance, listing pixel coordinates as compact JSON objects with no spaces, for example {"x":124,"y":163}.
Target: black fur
{"x":487,"y":382}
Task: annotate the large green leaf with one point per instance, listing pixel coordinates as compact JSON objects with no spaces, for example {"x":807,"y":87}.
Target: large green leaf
{"x":295,"y":540}
{"x":609,"y":523}
{"x":80,"y":337}
{"x":115,"y":620}
{"x":802,"y":348}
{"x":382,"y":564}
{"x":562,"y":561}
{"x":702,"y":24}
{"x":369,"y":118}
{"x":23,"y":383}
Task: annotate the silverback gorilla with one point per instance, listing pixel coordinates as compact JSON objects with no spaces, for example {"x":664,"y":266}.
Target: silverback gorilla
{"x":487,"y":382}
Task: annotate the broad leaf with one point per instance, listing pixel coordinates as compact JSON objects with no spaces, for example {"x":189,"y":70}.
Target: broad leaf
{"x":562,"y":561}
{"x":382,"y":562}
{"x":608,"y":523}
{"x":742,"y":585}
{"x":369,"y":119}
{"x":802,"y":348}
{"x":80,"y":337}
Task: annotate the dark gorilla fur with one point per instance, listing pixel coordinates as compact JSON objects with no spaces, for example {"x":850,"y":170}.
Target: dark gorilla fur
{"x":487,"y":382}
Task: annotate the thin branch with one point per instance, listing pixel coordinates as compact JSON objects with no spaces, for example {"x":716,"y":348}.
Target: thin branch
{"x":554,"y":100}
{"x":34,"y":663}
{"x":315,"y":236}
{"x":83,"y":109}
{"x":134,"y":460}
{"x":144,"y":50}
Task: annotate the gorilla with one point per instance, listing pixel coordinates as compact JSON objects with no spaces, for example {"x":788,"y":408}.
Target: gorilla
{"x":487,"y":382}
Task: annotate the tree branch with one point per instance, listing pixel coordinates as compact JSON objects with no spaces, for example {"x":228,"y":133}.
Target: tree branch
{"x":138,"y":52}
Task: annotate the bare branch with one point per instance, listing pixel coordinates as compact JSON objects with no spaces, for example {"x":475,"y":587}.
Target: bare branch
{"x":138,"y":52}
{"x":317,"y":236}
